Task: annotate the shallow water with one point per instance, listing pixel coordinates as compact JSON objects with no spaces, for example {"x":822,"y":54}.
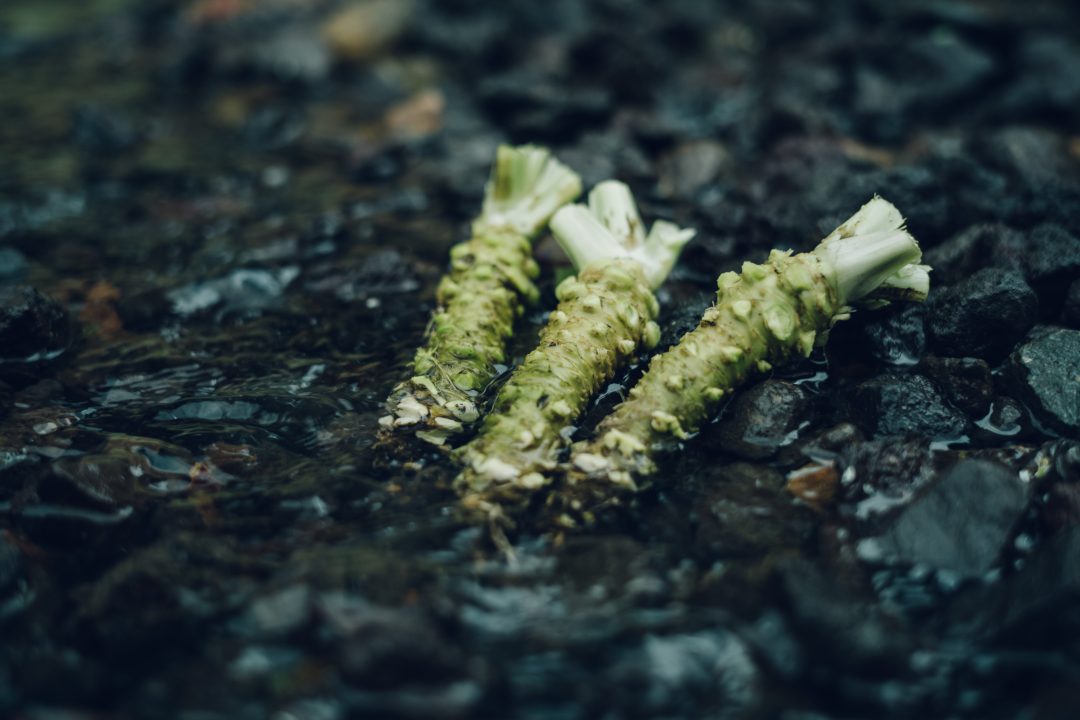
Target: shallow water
{"x":246,"y":225}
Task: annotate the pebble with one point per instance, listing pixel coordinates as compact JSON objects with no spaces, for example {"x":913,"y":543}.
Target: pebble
{"x":1045,"y":374}
{"x":34,"y":332}
{"x":761,"y":419}
{"x":902,"y":404}
{"x":966,"y":382}
{"x":961,"y":523}
{"x":983,"y":316}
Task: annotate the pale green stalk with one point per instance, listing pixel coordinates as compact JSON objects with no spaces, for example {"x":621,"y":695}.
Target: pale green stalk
{"x":604,"y":318}
{"x":490,"y":281}
{"x":764,"y":316}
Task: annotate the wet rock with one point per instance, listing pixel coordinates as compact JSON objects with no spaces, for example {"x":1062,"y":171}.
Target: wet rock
{"x":363,"y":29}
{"x":243,"y":291}
{"x":7,"y":398}
{"x":972,"y":249}
{"x":144,"y":310}
{"x":901,"y":404}
{"x":537,"y":107}
{"x":12,"y":265}
{"x":1008,"y":418}
{"x":34,"y":332}
{"x":10,"y":563}
{"x":384,"y":647}
{"x":102,"y":131}
{"x":983,"y":316}
{"x":1051,"y":261}
{"x":710,"y":673}
{"x":961,"y":523}
{"x":1070,"y":313}
{"x":938,"y":69}
{"x":1042,"y":86}
{"x":880,"y":476}
{"x":1037,"y":607}
{"x":761,"y":420}
{"x":691,"y":166}
{"x":744,"y":511}
{"x":1044,"y":372}
{"x":289,"y":53}
{"x":1060,"y":507}
{"x":897,"y":336}
{"x":966,"y":382}
{"x":281,"y":613}
{"x":382,"y":273}
{"x":838,"y":627}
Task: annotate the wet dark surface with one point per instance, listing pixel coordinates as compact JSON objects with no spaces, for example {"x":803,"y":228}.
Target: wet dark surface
{"x":221,"y":224}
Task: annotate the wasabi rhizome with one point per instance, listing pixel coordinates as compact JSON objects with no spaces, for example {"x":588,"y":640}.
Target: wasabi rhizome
{"x":764,"y":315}
{"x":604,"y":318}
{"x":489,"y":283}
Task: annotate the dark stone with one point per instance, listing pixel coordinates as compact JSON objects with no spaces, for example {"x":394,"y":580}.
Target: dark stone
{"x":34,"y":332}
{"x":902,"y":404}
{"x":678,"y":675}
{"x":961,"y":523}
{"x":898,"y":335}
{"x":823,"y":446}
{"x":533,"y":105}
{"x":7,"y":398}
{"x":983,"y":316}
{"x":12,"y":265}
{"x":881,"y":475}
{"x":144,"y":310}
{"x":1037,"y":607}
{"x":966,"y":382}
{"x":245,"y":292}
{"x":10,"y":563}
{"x":1051,"y":261}
{"x":1043,"y":374}
{"x":1060,"y":506}
{"x":382,"y":273}
{"x":761,"y":419}
{"x":384,"y":647}
{"x":744,"y":511}
{"x":846,"y":630}
{"x":690,"y":167}
{"x":970,"y":250}
{"x":935,"y":72}
{"x":102,"y":131}
{"x":1008,"y":418}
{"x":1070,"y":313}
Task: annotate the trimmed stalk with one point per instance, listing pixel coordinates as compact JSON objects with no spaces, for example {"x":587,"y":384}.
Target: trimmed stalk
{"x":604,"y":317}
{"x":764,"y":315}
{"x":490,"y":281}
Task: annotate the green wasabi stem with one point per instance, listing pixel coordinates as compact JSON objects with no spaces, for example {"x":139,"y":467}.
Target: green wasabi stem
{"x":763,"y":316}
{"x":490,"y":281}
{"x":604,"y":317}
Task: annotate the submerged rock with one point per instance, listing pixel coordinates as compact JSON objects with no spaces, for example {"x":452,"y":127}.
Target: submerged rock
{"x":983,"y":316}
{"x":746,"y":511}
{"x":961,"y":523}
{"x":762,"y":419}
{"x":1045,"y":374}
{"x":34,"y":332}
{"x":899,"y":404}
